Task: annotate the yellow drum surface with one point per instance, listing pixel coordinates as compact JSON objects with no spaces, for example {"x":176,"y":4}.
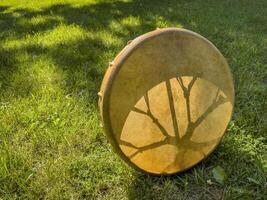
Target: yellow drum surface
{"x":166,"y":100}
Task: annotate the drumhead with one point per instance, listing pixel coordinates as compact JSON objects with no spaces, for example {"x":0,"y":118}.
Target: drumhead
{"x":166,"y":100}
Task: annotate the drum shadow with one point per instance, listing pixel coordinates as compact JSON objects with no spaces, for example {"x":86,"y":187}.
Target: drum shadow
{"x":147,"y":135}
{"x":192,"y":184}
{"x":151,"y":187}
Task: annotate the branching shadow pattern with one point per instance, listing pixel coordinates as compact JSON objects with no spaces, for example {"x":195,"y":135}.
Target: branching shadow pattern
{"x":183,"y":142}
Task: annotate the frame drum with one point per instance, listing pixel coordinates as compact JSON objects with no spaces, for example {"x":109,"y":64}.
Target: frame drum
{"x":166,"y":100}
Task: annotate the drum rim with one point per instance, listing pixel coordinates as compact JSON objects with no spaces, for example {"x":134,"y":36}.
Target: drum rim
{"x":118,"y":63}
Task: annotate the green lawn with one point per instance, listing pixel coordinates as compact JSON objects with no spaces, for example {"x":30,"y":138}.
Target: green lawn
{"x":53,"y":55}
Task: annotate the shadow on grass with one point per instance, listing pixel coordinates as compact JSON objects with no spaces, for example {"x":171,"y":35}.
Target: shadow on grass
{"x":194,"y":184}
{"x":205,"y":18}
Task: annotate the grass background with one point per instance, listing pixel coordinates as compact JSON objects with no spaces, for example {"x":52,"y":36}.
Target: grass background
{"x":53,"y":55}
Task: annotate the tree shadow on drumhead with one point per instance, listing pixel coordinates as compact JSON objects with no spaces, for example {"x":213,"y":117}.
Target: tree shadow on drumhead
{"x":182,"y":141}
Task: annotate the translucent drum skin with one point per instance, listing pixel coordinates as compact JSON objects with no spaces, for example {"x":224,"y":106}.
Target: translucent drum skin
{"x":166,"y":100}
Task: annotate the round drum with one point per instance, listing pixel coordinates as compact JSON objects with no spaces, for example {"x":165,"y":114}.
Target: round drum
{"x":166,"y":100}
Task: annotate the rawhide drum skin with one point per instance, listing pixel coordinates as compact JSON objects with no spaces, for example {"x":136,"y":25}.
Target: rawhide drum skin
{"x":166,"y":100}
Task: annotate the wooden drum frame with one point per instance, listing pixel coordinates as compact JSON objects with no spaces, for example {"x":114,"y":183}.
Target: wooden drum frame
{"x":166,"y":100}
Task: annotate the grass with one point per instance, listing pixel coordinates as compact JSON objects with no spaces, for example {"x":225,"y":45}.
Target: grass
{"x":53,"y":55}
